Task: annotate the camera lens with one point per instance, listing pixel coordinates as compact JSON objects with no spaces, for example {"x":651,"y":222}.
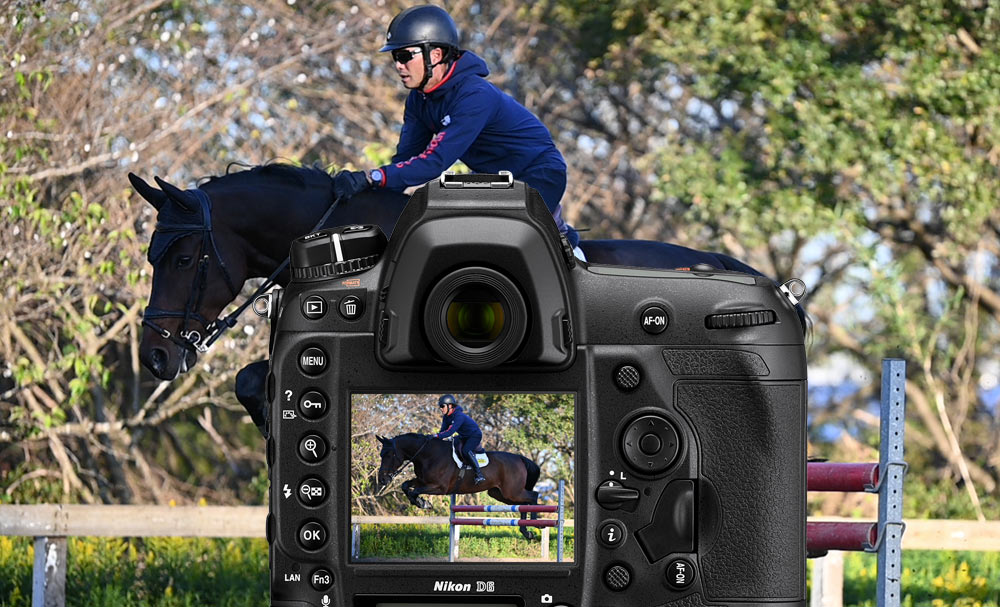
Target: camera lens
{"x":475,"y":318}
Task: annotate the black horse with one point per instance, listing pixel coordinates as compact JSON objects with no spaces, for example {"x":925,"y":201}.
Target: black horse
{"x":510,"y":478}
{"x":209,"y":240}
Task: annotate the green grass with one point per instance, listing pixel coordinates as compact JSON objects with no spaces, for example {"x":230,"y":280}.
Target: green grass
{"x":407,"y":542}
{"x":161,"y":572}
{"x":935,"y":578}
{"x":169,"y":572}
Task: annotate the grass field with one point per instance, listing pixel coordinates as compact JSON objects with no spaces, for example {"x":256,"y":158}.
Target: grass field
{"x":169,"y":572}
{"x":409,"y":541}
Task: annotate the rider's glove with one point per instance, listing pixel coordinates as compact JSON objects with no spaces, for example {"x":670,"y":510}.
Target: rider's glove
{"x":348,"y":183}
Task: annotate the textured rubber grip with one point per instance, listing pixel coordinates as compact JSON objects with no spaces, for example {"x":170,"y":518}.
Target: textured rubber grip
{"x":751,"y":438}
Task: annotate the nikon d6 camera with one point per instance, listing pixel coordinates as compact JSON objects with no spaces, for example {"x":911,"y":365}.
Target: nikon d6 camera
{"x":467,"y":415}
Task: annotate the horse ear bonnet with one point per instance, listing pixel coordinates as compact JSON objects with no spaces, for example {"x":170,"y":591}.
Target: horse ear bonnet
{"x":174,"y":222}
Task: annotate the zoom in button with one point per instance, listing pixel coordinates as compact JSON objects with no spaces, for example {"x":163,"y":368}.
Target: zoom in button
{"x":312,"y":448}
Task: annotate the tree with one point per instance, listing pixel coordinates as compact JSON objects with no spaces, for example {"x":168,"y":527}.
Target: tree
{"x":854,"y":144}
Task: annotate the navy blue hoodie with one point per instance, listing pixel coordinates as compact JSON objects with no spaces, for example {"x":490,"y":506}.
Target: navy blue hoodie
{"x":461,"y":424}
{"x":469,"y":119}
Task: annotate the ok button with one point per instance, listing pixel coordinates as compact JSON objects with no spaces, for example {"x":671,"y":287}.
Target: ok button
{"x":313,"y":360}
{"x":312,"y":535}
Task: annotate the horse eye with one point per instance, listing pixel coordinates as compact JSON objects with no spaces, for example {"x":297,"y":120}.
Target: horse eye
{"x":184,"y":262}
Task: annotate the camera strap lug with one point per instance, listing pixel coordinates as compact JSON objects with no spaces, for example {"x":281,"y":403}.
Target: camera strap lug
{"x":793,"y":289}
{"x":262,"y":305}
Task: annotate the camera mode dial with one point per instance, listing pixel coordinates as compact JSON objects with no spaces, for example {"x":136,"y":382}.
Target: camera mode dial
{"x":336,"y":252}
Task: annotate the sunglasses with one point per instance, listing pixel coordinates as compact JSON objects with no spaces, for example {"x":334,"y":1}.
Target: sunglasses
{"x":403,"y":55}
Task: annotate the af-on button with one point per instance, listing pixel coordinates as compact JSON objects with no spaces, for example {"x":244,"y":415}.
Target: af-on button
{"x":653,"y":320}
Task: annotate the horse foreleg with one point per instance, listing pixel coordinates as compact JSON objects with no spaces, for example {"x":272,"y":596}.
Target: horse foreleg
{"x":251,"y":384}
{"x":413,"y":491}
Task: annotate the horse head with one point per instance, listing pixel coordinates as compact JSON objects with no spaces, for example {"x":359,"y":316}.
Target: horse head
{"x":197,"y":271}
{"x":391,"y":462}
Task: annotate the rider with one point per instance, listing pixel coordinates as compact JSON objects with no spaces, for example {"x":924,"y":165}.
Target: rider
{"x":453,"y":113}
{"x":457,"y":422}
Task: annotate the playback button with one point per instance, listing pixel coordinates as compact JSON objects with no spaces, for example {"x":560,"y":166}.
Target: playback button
{"x":314,"y":307}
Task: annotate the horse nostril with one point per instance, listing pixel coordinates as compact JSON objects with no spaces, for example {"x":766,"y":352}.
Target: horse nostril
{"x":158,"y":358}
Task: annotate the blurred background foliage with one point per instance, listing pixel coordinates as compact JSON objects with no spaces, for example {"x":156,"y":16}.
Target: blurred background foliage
{"x":853,"y":144}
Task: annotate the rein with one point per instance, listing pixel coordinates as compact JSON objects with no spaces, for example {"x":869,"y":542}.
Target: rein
{"x":192,"y":340}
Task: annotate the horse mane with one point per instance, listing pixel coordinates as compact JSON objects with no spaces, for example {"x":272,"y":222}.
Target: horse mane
{"x":290,"y":174}
{"x":411,"y":435}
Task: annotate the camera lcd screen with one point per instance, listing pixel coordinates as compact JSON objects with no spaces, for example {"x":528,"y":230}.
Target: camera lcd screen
{"x":463,"y":477}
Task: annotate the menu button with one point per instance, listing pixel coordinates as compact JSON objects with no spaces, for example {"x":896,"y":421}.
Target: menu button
{"x":313,"y":361}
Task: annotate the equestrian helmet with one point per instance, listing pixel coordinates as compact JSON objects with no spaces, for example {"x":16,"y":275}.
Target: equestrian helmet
{"x":422,"y":26}
{"x":445,"y":400}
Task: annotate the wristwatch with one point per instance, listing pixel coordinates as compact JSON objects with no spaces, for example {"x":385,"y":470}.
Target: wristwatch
{"x":376,"y":176}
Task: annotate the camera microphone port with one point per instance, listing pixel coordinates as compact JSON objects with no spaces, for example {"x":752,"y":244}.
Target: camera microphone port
{"x":475,"y":318}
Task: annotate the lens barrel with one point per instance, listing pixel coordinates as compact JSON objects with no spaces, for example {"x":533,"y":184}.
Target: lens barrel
{"x":475,"y":318}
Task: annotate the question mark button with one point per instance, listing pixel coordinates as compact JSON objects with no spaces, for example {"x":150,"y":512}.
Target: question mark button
{"x":313,"y":404}
{"x":312,"y":448}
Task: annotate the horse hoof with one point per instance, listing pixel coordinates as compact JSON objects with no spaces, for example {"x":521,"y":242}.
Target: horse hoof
{"x":422,"y":503}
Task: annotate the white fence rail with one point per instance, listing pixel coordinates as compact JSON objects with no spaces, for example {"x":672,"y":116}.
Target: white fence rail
{"x":50,"y":525}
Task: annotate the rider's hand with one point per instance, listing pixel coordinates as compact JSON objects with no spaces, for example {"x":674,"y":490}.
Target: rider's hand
{"x":348,"y":183}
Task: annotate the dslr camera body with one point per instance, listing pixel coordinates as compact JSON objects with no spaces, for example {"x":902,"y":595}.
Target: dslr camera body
{"x":688,"y":478}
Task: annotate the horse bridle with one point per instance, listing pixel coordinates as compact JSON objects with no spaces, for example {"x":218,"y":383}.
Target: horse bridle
{"x":192,"y":340}
{"x":406,"y":462}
